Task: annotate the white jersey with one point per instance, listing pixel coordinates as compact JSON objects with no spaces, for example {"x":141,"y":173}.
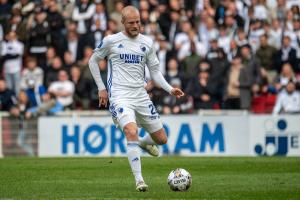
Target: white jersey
{"x":127,"y":58}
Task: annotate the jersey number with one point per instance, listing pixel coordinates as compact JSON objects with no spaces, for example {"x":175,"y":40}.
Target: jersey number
{"x":152,"y":109}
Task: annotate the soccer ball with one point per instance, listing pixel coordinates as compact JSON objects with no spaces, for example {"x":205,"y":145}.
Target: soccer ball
{"x":179,"y":180}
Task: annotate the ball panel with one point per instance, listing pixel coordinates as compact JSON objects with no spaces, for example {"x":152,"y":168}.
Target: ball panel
{"x":179,"y":180}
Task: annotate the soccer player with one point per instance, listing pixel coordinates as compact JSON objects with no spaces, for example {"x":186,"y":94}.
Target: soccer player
{"x":127,"y":53}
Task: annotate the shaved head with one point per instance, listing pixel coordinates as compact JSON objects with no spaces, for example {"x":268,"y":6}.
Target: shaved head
{"x":129,"y":10}
{"x":131,"y":21}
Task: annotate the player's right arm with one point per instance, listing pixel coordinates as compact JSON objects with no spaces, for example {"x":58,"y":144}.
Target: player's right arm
{"x":99,"y":53}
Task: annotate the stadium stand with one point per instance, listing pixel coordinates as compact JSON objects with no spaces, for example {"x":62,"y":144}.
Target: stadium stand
{"x":244,"y":45}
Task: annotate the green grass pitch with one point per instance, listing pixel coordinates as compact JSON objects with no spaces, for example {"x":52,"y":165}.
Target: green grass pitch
{"x":111,"y":178}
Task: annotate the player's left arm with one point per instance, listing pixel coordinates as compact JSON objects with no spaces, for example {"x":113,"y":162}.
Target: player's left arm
{"x":158,"y":78}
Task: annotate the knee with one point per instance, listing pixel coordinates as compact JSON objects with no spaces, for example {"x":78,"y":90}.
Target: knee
{"x":131,"y":133}
{"x":162,"y":141}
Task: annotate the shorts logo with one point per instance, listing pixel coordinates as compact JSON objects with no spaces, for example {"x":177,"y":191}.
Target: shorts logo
{"x":120,"y":110}
{"x":278,"y":142}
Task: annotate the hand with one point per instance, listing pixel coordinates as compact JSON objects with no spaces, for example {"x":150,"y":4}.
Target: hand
{"x":177,"y":92}
{"x":103,"y":98}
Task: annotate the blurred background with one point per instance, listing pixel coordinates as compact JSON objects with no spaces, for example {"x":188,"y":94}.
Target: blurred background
{"x":228,"y":56}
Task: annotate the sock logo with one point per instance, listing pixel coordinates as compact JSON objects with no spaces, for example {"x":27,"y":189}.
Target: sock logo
{"x":278,"y":142}
{"x":135,"y":159}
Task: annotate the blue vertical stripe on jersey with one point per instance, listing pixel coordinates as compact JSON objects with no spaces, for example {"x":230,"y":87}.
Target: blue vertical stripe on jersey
{"x":109,"y":81}
{"x":145,"y":79}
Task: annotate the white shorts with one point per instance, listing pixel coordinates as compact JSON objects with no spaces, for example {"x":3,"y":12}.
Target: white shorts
{"x":143,"y":114}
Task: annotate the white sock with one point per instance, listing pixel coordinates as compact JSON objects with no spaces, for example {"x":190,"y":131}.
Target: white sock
{"x":147,"y":139}
{"x":133,"y":153}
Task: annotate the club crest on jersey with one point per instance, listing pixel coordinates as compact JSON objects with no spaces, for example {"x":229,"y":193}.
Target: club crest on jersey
{"x":143,"y":48}
{"x":120,"y":110}
{"x":131,"y":58}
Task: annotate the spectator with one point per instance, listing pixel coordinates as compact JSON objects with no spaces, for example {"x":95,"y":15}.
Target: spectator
{"x":275,"y":34}
{"x":218,"y":68}
{"x":284,"y":77}
{"x":173,"y":70}
{"x":252,"y":66}
{"x":84,"y":62}
{"x":96,"y":35}
{"x":68,"y":60}
{"x":100,"y":16}
{"x":256,"y":30}
{"x":8,"y":100}
{"x":12,"y":52}
{"x":56,"y":25}
{"x":5,"y":10}
{"x":208,"y":31}
{"x":169,"y":24}
{"x":190,"y":63}
{"x":74,"y":46}
{"x":238,"y":86}
{"x":82,"y":89}
{"x":260,"y":10}
{"x":266,"y":54}
{"x":16,"y":24}
{"x":233,"y":50}
{"x":82,"y":14}
{"x":286,"y":54}
{"x":182,"y":37}
{"x":264,"y":100}
{"x":25,"y":7}
{"x":34,"y":92}
{"x":38,"y":34}
{"x":241,"y":38}
{"x":32,"y":73}
{"x":185,"y":49}
{"x":48,"y":105}
{"x":288,"y":100}
{"x":224,"y":39}
{"x":199,"y":88}
{"x":50,"y":55}
{"x":172,"y":105}
{"x":163,"y":53}
{"x":52,"y":72}
{"x":281,"y":10}
{"x":67,"y":8}
{"x":63,"y":89}
{"x":116,"y":14}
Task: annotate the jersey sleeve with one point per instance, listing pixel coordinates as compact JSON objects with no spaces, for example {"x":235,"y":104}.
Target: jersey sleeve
{"x":156,"y":75}
{"x":152,"y":59}
{"x":102,"y":49}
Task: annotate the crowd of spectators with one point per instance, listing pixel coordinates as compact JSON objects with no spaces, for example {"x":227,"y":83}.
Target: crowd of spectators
{"x":227,"y":54}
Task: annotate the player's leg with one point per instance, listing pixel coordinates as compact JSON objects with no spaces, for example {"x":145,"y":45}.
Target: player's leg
{"x":133,"y":152}
{"x":159,"y":137}
{"x":124,"y":118}
{"x":149,"y":119}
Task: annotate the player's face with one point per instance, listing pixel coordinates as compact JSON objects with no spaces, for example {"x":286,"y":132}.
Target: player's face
{"x":132,"y":24}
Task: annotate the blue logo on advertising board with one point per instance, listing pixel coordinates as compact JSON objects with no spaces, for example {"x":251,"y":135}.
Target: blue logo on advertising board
{"x":277,"y":142}
{"x":95,"y":138}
